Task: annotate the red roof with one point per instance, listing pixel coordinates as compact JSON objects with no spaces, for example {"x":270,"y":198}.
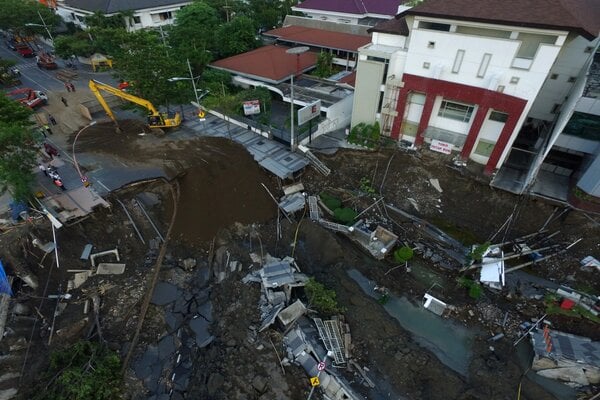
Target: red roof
{"x":270,"y":63}
{"x":350,"y":79}
{"x":320,"y":37}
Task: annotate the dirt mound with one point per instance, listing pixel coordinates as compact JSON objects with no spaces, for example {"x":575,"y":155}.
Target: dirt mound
{"x":219,"y":189}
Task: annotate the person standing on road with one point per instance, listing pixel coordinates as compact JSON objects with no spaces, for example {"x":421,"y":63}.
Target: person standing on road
{"x":64,"y":101}
{"x":51,"y":119}
{"x":72,"y":87}
{"x":67,"y":86}
{"x":43,"y":169}
{"x":59,"y":183}
{"x":51,"y":150}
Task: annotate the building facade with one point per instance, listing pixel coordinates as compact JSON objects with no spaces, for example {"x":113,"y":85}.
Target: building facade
{"x":146,"y":13}
{"x":486,"y":82}
{"x":354,"y":12}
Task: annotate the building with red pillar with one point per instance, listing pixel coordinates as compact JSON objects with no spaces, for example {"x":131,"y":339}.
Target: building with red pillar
{"x":486,"y":81}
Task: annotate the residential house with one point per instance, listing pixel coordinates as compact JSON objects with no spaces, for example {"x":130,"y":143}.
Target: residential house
{"x":356,"y":12}
{"x":488,"y":81}
{"x":146,"y":13}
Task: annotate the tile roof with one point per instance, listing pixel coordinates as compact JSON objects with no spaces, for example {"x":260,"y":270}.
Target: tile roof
{"x":359,"y":7}
{"x":580,"y":16}
{"x":349,"y":79}
{"x":319,"y":37}
{"x":270,"y":63}
{"x":114,"y":6}
{"x":393,"y":26}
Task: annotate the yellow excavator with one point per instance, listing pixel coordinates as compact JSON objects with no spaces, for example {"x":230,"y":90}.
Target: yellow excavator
{"x":156,"y":119}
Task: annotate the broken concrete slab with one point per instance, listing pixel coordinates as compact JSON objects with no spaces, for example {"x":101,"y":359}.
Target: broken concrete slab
{"x":79,"y":279}
{"x":110,"y":269}
{"x":291,"y":313}
{"x":436,"y":184}
{"x":164,"y":293}
{"x":294,"y":188}
{"x":114,"y":252}
{"x":87,"y":250}
{"x":292,"y":203}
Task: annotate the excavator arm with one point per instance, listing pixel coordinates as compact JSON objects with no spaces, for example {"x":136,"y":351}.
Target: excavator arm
{"x":155,"y":118}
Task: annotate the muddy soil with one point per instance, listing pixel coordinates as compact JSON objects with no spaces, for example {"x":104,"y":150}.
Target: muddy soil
{"x":223,"y":205}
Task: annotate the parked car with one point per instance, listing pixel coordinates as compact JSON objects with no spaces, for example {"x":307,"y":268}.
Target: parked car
{"x":10,"y":44}
{"x":24,"y":50}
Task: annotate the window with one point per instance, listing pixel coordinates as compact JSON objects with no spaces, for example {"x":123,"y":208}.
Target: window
{"x":456,"y":111}
{"x":501,"y":88}
{"x":475,"y":31}
{"x":485,"y":62}
{"x":426,"y":65}
{"x":530,"y":43}
{"x":572,"y":79}
{"x":514,"y":80}
{"x":588,"y":49}
{"x":431,"y":45}
{"x":73,"y":18}
{"x":137,"y":20}
{"x":554,"y":76}
{"x":460,"y":54}
{"x":434,"y":26}
{"x":498,"y":116}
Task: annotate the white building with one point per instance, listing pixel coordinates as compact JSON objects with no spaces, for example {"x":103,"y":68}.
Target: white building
{"x":487,"y":81}
{"x":364,"y":12}
{"x":146,"y":13}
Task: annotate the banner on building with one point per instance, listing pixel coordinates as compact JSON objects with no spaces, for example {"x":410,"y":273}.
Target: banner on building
{"x":309,"y":112}
{"x":441,"y":147}
{"x":252,"y":107}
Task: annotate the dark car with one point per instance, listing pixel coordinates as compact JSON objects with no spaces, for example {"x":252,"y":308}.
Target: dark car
{"x":10,"y":44}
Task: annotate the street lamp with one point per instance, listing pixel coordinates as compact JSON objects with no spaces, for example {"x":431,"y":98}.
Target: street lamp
{"x":297,"y":51}
{"x":84,"y":181}
{"x":193,"y":79}
{"x":45,"y":26}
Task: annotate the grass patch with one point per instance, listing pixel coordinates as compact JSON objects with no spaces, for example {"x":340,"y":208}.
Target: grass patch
{"x":553,"y":308}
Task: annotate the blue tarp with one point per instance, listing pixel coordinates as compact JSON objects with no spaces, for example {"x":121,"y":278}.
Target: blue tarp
{"x":16,"y":208}
{"x":4,"y":284}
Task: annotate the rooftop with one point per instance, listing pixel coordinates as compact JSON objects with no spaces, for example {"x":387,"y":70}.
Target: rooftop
{"x":319,"y":37}
{"x":567,"y":346}
{"x":115,"y":6}
{"x":393,"y":26}
{"x":357,"y":7}
{"x":592,"y":85}
{"x":268,"y":63}
{"x":579,"y":16}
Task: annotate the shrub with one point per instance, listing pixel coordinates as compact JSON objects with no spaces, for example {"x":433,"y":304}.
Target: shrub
{"x":330,"y":202}
{"x":344,"y":215}
{"x":365,"y":134}
{"x":477,"y":253}
{"x":365,"y":186}
{"x":321,"y":298}
{"x":473,"y":287}
{"x":86,"y":370}
{"x":403,"y":254}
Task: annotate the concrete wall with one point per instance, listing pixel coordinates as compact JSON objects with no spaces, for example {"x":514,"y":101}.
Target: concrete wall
{"x":326,"y":25}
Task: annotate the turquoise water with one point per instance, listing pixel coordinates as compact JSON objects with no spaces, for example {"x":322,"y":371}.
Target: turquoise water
{"x":447,"y":340}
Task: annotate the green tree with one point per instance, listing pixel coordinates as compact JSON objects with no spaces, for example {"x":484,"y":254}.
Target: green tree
{"x":403,"y":254}
{"x":77,"y":44}
{"x":83,"y":371}
{"x":324,"y":65}
{"x":147,"y":64}
{"x":16,"y":14}
{"x":237,"y":36}
{"x":99,"y":20}
{"x":322,"y":299}
{"x":193,"y":34}
{"x":17,"y":149}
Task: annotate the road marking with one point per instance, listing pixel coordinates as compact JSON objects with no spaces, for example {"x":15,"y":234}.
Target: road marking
{"x":36,"y":82}
{"x":102,"y":184}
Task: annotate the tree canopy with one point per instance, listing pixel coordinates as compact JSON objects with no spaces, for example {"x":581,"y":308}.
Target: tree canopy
{"x":17,"y":148}
{"x":16,"y":14}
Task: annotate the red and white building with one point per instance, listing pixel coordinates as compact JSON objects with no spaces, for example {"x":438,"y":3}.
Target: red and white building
{"x":484,"y":79}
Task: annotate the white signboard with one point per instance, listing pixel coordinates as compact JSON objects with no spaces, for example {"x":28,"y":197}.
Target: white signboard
{"x":309,"y":112}
{"x":441,"y":147}
{"x":252,"y":107}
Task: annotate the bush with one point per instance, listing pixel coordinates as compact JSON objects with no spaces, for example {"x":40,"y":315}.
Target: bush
{"x":321,"y":298}
{"x":365,"y":135}
{"x":403,"y":254}
{"x":473,"y":287}
{"x":477,"y":253}
{"x":330,"y":202}
{"x":344,"y":215}
{"x":83,"y":371}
